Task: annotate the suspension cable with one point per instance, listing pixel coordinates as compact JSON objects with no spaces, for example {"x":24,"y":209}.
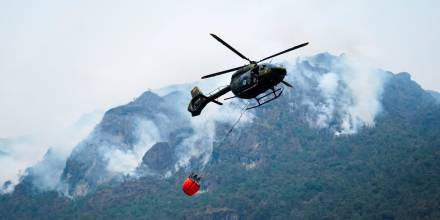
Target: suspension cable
{"x":203,"y":173}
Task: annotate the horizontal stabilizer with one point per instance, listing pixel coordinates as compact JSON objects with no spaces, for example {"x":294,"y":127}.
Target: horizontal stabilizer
{"x":216,"y":102}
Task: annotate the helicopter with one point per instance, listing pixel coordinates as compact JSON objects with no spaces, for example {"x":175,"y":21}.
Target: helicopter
{"x":250,"y":81}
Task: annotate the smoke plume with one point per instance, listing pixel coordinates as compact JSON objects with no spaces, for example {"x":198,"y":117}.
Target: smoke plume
{"x":340,"y":93}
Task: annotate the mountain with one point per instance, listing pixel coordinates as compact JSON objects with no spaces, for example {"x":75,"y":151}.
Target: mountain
{"x":348,"y":142}
{"x":435,"y":94}
{"x":123,"y":132}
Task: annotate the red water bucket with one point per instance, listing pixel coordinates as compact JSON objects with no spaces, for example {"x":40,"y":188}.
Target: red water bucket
{"x":190,"y":186}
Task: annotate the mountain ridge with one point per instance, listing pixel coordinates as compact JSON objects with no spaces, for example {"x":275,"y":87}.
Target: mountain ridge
{"x":294,"y":158}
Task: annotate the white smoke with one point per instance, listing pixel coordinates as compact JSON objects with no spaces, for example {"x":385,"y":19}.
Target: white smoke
{"x":126,"y":162}
{"x":340,"y":93}
{"x":16,"y":159}
{"x":45,"y":175}
{"x":33,"y":151}
{"x":200,"y":144}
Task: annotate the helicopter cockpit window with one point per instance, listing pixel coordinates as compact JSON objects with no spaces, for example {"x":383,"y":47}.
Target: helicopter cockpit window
{"x":269,"y":65}
{"x":245,"y":79}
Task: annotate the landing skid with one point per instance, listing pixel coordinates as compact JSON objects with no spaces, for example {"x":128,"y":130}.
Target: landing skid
{"x":276,"y":93}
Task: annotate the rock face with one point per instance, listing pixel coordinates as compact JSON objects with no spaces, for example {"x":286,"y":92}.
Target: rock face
{"x":405,"y":97}
{"x":125,"y":131}
{"x":152,"y":129}
{"x":161,"y":158}
{"x":329,"y":149}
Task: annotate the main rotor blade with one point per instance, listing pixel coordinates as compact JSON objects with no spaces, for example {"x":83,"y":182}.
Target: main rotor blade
{"x":223,"y":72}
{"x":287,"y":84}
{"x":230,"y":47}
{"x":284,"y":51}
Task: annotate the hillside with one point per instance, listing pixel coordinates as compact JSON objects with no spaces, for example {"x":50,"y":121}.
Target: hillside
{"x":312,"y":154}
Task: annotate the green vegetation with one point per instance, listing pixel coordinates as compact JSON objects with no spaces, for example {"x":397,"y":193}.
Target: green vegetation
{"x":390,"y":171}
{"x":278,"y":167}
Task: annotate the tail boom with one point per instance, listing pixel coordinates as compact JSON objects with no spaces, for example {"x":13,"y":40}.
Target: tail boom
{"x":199,"y":100}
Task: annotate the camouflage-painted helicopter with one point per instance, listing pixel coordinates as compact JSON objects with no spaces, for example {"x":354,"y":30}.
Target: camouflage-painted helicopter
{"x":248,"y":82}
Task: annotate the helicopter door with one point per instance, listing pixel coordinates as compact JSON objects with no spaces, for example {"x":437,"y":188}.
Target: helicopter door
{"x":242,"y":82}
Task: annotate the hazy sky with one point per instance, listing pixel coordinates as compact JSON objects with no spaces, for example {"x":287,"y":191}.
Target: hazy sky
{"x":61,"y":59}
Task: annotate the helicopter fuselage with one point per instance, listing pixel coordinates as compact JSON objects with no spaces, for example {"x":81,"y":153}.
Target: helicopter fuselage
{"x":254,"y":79}
{"x":249,"y":81}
